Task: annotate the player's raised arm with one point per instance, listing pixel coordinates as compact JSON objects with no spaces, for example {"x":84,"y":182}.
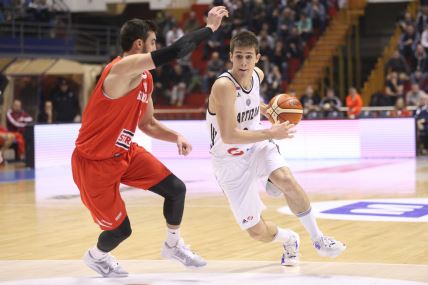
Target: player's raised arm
{"x":134,"y":65}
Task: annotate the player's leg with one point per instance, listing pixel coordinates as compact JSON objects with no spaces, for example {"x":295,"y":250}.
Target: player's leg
{"x":102,"y":198}
{"x":266,"y":231}
{"x":300,"y":205}
{"x":162,"y":182}
{"x":6,"y":140}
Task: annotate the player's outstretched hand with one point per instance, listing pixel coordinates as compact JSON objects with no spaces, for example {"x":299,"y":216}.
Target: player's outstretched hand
{"x":215,"y":15}
{"x":184,"y":147}
{"x":281,"y":131}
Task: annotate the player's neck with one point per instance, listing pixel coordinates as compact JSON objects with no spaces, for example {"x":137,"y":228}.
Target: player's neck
{"x":245,"y":81}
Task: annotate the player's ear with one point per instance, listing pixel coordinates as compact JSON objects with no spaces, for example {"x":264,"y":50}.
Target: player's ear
{"x":138,"y":44}
{"x":230,"y":57}
{"x":258,"y":57}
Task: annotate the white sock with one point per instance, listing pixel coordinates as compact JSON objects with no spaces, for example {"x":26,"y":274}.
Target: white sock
{"x":283,"y":235}
{"x":310,"y":224}
{"x":97,"y":253}
{"x":172,"y":236}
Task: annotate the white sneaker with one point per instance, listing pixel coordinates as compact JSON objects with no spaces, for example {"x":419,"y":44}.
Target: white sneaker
{"x":327,"y":246}
{"x":290,"y":257}
{"x":272,"y":190}
{"x":106,"y":266}
{"x":182,"y":253}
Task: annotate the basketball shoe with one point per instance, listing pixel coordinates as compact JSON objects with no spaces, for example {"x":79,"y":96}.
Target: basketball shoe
{"x":182,"y":253}
{"x":106,"y":266}
{"x":327,"y":246}
{"x":290,"y":257}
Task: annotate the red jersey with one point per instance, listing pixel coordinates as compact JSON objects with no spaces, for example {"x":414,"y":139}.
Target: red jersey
{"x":108,"y":125}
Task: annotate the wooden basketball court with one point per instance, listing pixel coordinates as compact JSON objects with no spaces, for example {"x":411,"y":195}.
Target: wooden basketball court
{"x":46,"y":238}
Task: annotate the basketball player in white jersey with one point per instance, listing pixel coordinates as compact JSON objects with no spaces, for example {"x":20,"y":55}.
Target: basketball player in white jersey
{"x":243,"y":153}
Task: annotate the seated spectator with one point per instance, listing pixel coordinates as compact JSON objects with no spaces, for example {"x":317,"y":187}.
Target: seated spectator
{"x":419,"y":78}
{"x":179,"y":87}
{"x":422,"y":125}
{"x":420,"y":59}
{"x":408,"y":43}
{"x":394,"y":87}
{"x":304,"y":27}
{"x":400,"y":109}
{"x":407,"y":20}
{"x":214,"y":68}
{"x":191,"y":23}
{"x":317,"y":13}
{"x":174,"y":34}
{"x":380,"y":99}
{"x":310,"y":102}
{"x":354,"y":102}
{"x":16,"y":118}
{"x":7,"y":138}
{"x":47,"y":115}
{"x":414,"y":96}
{"x":294,"y":45}
{"x":330,"y":105}
{"x":397,"y":64}
{"x":65,"y":104}
{"x":424,"y":39}
{"x":273,"y":81}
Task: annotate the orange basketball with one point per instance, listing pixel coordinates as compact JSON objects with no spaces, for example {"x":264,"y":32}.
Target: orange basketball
{"x":284,"y":107}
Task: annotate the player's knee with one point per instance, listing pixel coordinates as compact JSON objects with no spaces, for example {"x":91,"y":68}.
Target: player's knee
{"x":124,"y":230}
{"x":286,"y":183}
{"x":179,"y":189}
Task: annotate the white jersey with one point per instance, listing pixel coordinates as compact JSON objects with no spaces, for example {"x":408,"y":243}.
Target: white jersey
{"x":247,"y":108}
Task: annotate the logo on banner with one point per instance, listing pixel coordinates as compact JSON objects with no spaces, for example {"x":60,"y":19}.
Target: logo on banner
{"x":394,"y":210}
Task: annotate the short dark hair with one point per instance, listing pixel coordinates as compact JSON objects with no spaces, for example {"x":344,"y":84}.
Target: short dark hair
{"x":244,"y":39}
{"x":135,"y":29}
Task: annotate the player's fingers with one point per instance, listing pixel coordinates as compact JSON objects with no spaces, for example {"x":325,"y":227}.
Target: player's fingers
{"x":180,"y":148}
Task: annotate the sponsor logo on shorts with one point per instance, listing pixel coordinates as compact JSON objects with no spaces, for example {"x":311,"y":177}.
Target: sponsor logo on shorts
{"x":125,"y":138}
{"x":235,"y":151}
{"x":393,"y":210}
{"x":247,"y":219}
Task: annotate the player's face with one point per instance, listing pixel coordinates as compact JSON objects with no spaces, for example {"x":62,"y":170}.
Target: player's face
{"x":150,"y":43}
{"x":244,"y":60}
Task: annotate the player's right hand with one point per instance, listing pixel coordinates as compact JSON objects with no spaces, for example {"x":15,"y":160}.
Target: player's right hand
{"x":215,"y":15}
{"x":281,"y":131}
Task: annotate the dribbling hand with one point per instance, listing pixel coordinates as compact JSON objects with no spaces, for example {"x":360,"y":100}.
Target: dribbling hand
{"x":215,"y":15}
{"x":281,"y":131}
{"x":184,"y":147}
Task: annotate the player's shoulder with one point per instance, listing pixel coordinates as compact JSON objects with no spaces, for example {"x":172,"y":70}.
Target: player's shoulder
{"x":223,"y":83}
{"x":259,"y":73}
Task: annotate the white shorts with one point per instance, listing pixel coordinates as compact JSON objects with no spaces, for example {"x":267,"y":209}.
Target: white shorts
{"x":239,"y":178}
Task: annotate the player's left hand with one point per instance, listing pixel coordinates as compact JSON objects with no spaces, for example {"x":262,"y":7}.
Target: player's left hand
{"x":184,"y":147}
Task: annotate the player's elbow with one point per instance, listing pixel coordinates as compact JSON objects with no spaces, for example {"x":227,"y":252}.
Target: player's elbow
{"x":229,"y":138}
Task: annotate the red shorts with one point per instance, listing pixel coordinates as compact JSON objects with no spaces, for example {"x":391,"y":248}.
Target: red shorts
{"x":98,"y":182}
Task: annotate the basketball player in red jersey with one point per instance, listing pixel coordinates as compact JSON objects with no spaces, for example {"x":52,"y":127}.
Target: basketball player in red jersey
{"x":105,"y":155}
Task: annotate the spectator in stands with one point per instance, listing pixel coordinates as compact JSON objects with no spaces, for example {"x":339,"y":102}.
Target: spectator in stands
{"x":16,"y":118}
{"x":407,"y":20}
{"x":285,"y":23}
{"x":161,"y":79}
{"x":294,"y":45}
{"x":317,"y":13}
{"x":420,"y":59}
{"x":419,"y":78}
{"x":310,"y":102}
{"x":47,"y":115}
{"x":215,"y":44}
{"x":408,"y":42}
{"x":400,"y":109}
{"x":330,"y":105}
{"x":397,"y":64}
{"x":304,"y":27}
{"x":394,"y":87}
{"x":422,"y":19}
{"x":191,"y":23}
{"x":279,"y":57}
{"x":214,"y":68}
{"x":422,"y":125}
{"x":424,"y":39}
{"x":414,"y":96}
{"x":380,"y":99}
{"x":273,"y":80}
{"x":7,"y":139}
{"x":65,"y":104}
{"x":174,"y":34}
{"x":264,"y":37}
{"x":354,"y":103}
{"x":179,"y":87}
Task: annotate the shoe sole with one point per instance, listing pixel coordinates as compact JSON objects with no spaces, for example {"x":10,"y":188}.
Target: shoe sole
{"x":331,"y":254}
